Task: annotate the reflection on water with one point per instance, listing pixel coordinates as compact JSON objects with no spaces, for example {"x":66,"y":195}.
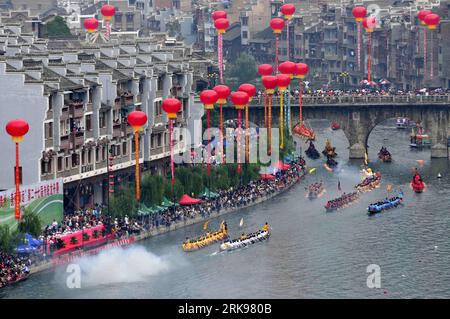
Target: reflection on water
{"x":311,"y":254}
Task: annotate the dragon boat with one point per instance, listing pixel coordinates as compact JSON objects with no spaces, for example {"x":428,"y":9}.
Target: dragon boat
{"x":249,"y":239}
{"x":342,"y":201}
{"x":385,"y":204}
{"x":315,"y":190}
{"x":206,"y":239}
{"x":369,"y":183}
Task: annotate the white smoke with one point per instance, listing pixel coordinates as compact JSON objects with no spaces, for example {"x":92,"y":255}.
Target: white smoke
{"x":120,"y":265}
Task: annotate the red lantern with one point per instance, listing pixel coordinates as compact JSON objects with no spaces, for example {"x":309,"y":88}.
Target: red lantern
{"x":17,"y":129}
{"x":108,"y":11}
{"x":223,"y":92}
{"x":171,"y":107}
{"x":277,"y":25}
{"x":250,"y":89}
{"x":91,"y":24}
{"x":369,"y":24}
{"x":240,"y":99}
{"x":219,"y":15}
{"x":270,"y":83}
{"x":301,"y":70}
{"x":288,"y":68}
{"x":265,"y":69}
{"x":221,"y":25}
{"x":208,"y":98}
{"x":422,"y":14}
{"x":288,"y":10}
{"x":137,"y":119}
{"x":432,"y":21}
{"x":359,"y":13}
{"x":283,"y":81}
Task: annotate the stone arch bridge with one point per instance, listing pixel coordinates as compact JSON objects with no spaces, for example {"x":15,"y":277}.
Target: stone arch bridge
{"x":358,"y":116}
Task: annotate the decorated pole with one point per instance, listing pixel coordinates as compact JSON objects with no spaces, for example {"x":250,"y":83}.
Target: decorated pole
{"x":359,"y":14}
{"x":221,"y":24}
{"x":223,"y":92}
{"x":421,"y":16}
{"x":369,"y":25}
{"x":283,"y":82}
{"x":137,"y":119}
{"x":277,"y":25}
{"x":239,"y":99}
{"x":432,"y":21}
{"x":171,"y":106}
{"x":17,"y":129}
{"x":265,"y":70}
{"x":301,"y":70}
{"x":250,"y":89}
{"x":288,"y":11}
{"x":287,"y":68}
{"x":108,"y":11}
{"x":270,"y":83}
{"x":208,"y":98}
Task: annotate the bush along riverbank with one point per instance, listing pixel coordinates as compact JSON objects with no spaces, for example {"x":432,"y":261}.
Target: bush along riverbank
{"x":127,"y":230}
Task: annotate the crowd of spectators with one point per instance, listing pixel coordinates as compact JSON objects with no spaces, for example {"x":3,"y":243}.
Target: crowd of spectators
{"x":12,"y":268}
{"x":294,"y":93}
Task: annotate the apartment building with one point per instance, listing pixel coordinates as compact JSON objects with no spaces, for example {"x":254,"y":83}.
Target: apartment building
{"x":76,"y":101}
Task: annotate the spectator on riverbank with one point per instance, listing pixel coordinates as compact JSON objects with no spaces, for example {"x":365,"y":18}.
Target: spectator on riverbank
{"x":12,"y":268}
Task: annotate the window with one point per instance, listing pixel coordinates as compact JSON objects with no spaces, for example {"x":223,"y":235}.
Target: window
{"x":124,"y":148}
{"x":244,"y":34}
{"x":245,"y":21}
{"x":159,"y":138}
{"x":74,"y":160}
{"x":83,"y":158}
{"x":88,"y":121}
{"x":89,"y":154}
{"x":97,"y":154}
{"x":48,"y":130}
{"x":66,"y":160}
{"x":160,"y":83}
{"x":158,"y":108}
{"x":117,"y":150}
{"x":102,"y":119}
{"x":133,"y":145}
{"x":64,"y":126}
{"x":130,"y":18}
{"x":118,"y":18}
{"x":60,"y":164}
{"x":46,"y":167}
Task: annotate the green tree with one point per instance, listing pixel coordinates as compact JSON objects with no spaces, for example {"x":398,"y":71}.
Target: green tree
{"x":30,"y":223}
{"x":124,"y":203}
{"x":244,"y":69}
{"x":9,"y":239}
{"x":57,"y":28}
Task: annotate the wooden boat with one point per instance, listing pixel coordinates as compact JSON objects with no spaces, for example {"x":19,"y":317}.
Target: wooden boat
{"x":419,"y":139}
{"x":304,"y":132}
{"x":251,"y":239}
{"x":206,"y":239}
{"x":384,"y":155}
{"x":335,"y":126}
{"x":329,"y":150}
{"x":342,"y":201}
{"x":417,"y":184}
{"x":369,"y":183}
{"x":385,"y":204}
{"x":312,"y":152}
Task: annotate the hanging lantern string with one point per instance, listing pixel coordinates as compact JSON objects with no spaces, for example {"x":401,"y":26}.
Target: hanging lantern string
{"x":281,"y":121}
{"x":221,"y":134}
{"x":172,"y":166}
{"x":208,"y":147}
{"x":265,"y":109}
{"x":239,"y":142}
{"x":369,"y":52}
{"x":359,"y":44}
{"x":300,"y":100}
{"x":220,"y":57}
{"x":277,"y":44}
{"x":270,"y":124}
{"x":247,"y":146}
{"x":431,"y":56}
{"x":425,"y":52}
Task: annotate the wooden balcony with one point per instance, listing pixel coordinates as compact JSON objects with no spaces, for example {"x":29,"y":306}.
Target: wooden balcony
{"x":77,"y":139}
{"x":65,"y":142}
{"x":76,"y":109}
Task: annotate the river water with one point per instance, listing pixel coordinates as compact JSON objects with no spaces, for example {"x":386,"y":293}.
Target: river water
{"x":311,"y":254}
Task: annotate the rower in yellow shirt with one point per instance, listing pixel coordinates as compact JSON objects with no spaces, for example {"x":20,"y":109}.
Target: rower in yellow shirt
{"x":266,"y":227}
